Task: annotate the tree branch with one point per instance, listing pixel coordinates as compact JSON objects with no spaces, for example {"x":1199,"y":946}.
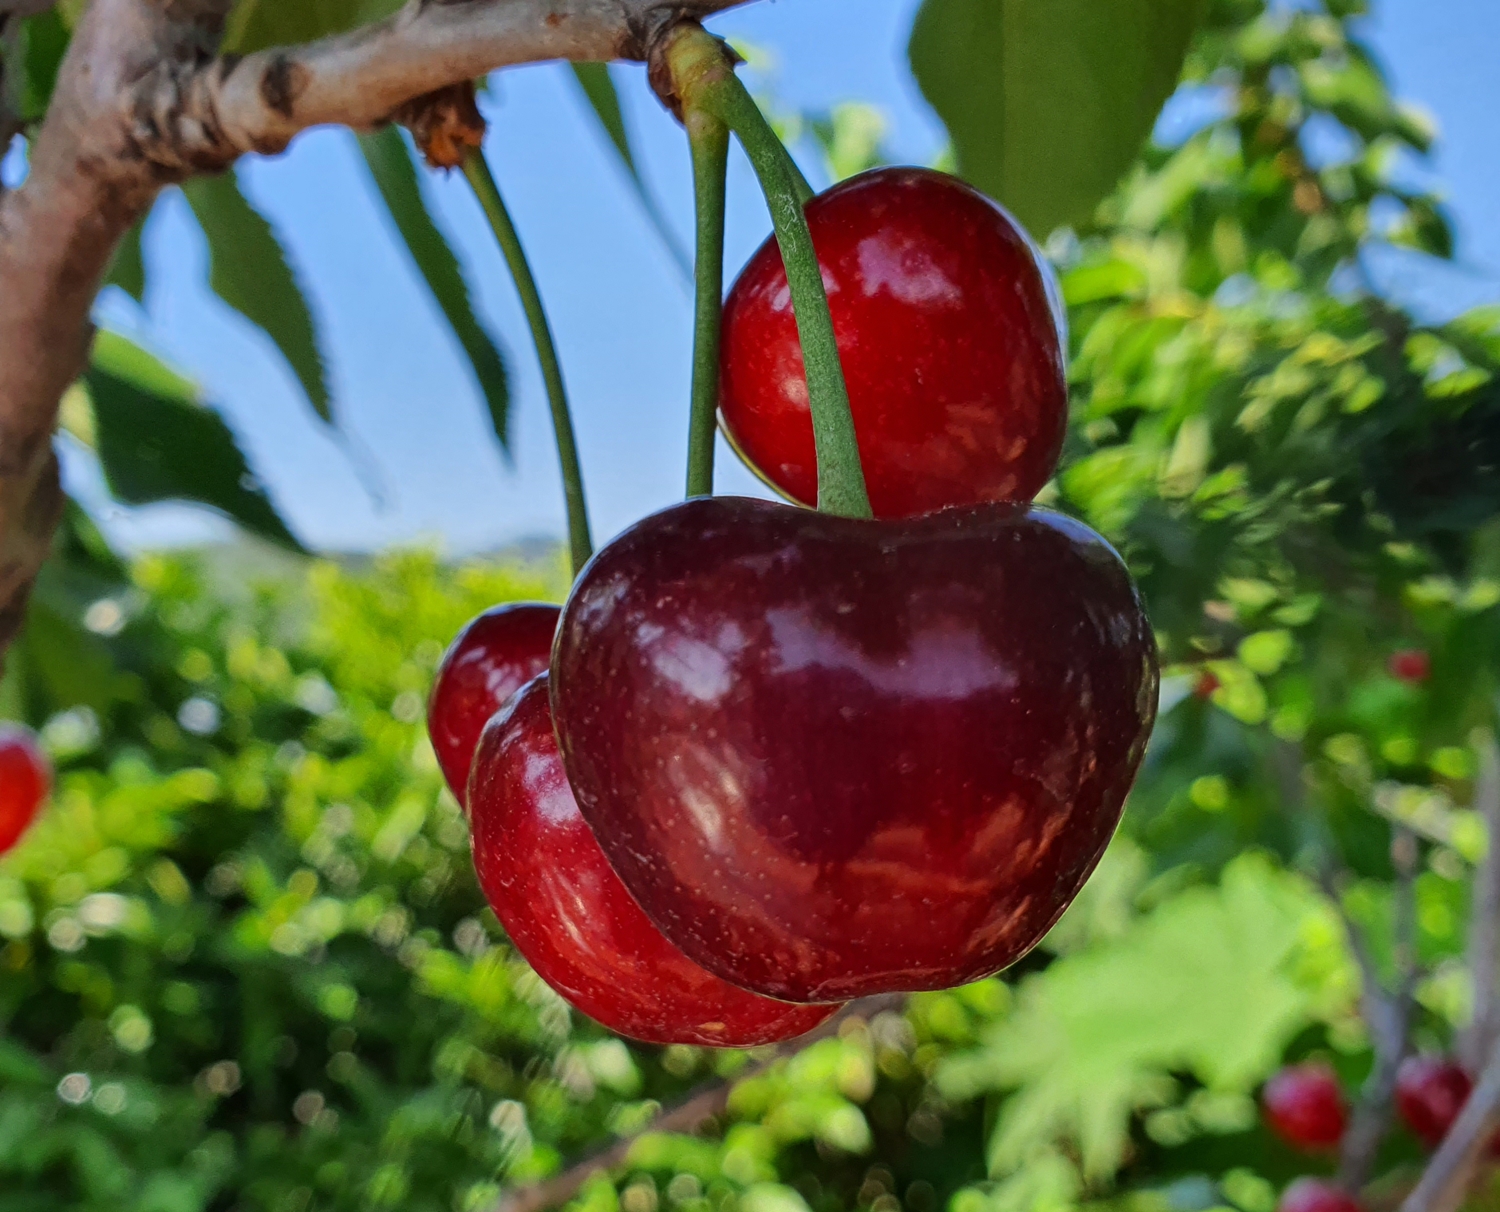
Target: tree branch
{"x":704,"y":1103}
{"x":141,"y":103}
{"x":1484,"y":917}
{"x":1446,"y":1180}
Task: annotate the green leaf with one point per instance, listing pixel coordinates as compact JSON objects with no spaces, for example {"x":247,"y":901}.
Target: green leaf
{"x":156,"y":441}
{"x":599,"y":90}
{"x":32,"y":59}
{"x":249,"y":271}
{"x":128,"y":269}
{"x":1049,"y":101}
{"x":1208,"y":984}
{"x":395,"y":176}
{"x":257,"y":24}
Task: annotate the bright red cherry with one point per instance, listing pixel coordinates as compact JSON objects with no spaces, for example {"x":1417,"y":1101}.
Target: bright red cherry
{"x":25,"y":782}
{"x":568,"y":914}
{"x":1430,"y":1092}
{"x":492,"y":658}
{"x":1410,"y":665}
{"x":1317,"y":1195}
{"x":950,"y":337}
{"x":832,"y":757}
{"x":1305,"y":1106}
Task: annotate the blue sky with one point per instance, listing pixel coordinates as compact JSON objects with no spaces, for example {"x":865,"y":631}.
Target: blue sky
{"x":619,"y":307}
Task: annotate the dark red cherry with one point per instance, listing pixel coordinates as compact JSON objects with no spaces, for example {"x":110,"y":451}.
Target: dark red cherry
{"x":1305,"y":1106}
{"x":492,"y":658}
{"x":950,"y":338}
{"x":833,"y":757}
{"x":568,"y":914}
{"x":1430,"y":1092}
{"x":1410,"y":665}
{"x":1317,"y":1195}
{"x":25,"y":782}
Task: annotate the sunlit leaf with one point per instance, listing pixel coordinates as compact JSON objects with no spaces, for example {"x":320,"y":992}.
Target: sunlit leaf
{"x":256,"y":24}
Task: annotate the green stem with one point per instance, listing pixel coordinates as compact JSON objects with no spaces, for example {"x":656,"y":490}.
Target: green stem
{"x":841,"y":479}
{"x":477,"y":170}
{"x":704,"y":81}
{"x":805,"y":193}
{"x":709,"y":140}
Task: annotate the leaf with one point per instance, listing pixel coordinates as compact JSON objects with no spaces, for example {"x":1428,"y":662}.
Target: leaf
{"x":257,"y":24}
{"x":1206,"y":984}
{"x":1049,"y":101}
{"x":249,"y":271}
{"x":395,"y":176}
{"x":39,"y":46}
{"x":156,"y":441}
{"x":599,"y":90}
{"x":128,"y":269}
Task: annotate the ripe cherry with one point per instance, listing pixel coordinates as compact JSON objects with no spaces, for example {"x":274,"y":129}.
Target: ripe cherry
{"x":492,"y":658}
{"x":1410,"y":665}
{"x":1430,"y":1092}
{"x":1304,"y":1105}
{"x":832,"y":757}
{"x":568,"y":914}
{"x":25,"y":782}
{"x":1317,"y":1195}
{"x":950,"y":337}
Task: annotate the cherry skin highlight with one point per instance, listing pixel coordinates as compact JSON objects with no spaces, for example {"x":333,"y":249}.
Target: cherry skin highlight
{"x":1304,"y":1105}
{"x":952,"y":347}
{"x":568,"y":914}
{"x":832,"y":757}
{"x":491,"y":658}
{"x":25,"y":783}
{"x":1317,"y":1195}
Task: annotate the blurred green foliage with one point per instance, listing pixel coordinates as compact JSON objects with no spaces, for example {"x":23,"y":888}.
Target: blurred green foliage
{"x":246,"y":966}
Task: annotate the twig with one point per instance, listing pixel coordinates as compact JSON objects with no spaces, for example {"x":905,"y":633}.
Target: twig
{"x":705,"y":1103}
{"x":1484,"y":918}
{"x":1446,"y":1180}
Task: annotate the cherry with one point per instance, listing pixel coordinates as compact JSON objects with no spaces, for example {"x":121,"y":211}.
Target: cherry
{"x":568,"y":914}
{"x":1205,"y":686}
{"x":25,"y":782}
{"x":1410,"y":665}
{"x":492,"y":657}
{"x":949,"y":336}
{"x":1304,"y":1105}
{"x":1430,"y":1092}
{"x":832,"y":757}
{"x":1317,"y":1195}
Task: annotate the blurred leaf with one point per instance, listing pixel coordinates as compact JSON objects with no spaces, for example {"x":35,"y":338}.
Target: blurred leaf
{"x":157,"y":442}
{"x":256,"y":24}
{"x":1048,"y":101}
{"x":128,"y":269}
{"x":395,"y":175}
{"x":249,"y":271}
{"x":1204,"y":985}
{"x":32,"y":60}
{"x":599,"y":89}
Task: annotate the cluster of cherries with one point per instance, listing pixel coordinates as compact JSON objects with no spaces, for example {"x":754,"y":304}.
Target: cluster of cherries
{"x":1305,"y":1106}
{"x":765,"y":760}
{"x":25,"y":782}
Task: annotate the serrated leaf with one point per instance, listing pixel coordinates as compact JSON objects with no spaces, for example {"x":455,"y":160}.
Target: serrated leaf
{"x":1205,"y":984}
{"x":250,"y":272}
{"x":395,"y":176}
{"x":1049,"y":101}
{"x":157,"y":442}
{"x":257,"y":24}
{"x":599,"y":90}
{"x":128,"y":269}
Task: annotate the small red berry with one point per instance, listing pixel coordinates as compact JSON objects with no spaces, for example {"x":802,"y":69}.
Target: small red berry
{"x":1410,"y":665}
{"x":1305,"y":1106}
{"x":1430,"y":1092}
{"x":25,"y":781}
{"x":1206,"y":685}
{"x":1317,"y":1195}
{"x":492,"y":658}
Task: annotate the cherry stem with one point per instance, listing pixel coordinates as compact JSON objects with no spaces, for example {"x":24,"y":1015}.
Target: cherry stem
{"x":709,"y":140}
{"x":704,"y":80}
{"x":487,"y":191}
